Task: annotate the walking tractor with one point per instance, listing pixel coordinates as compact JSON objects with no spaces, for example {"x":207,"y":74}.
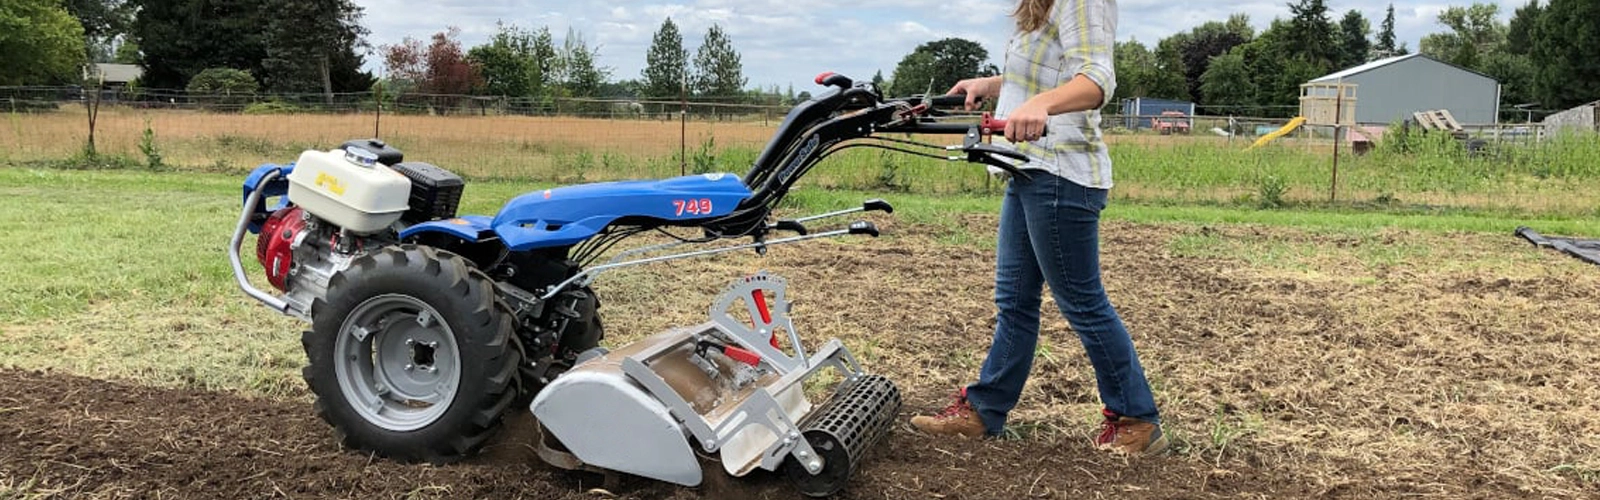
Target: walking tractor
{"x":427,"y":327}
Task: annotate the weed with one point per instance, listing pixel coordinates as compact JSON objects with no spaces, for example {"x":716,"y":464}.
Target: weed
{"x":147,"y":147}
{"x":1270,"y":189}
{"x":889,"y":176}
{"x":704,"y":159}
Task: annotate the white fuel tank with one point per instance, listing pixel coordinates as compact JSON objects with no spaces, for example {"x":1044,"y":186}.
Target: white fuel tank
{"x":349,"y":189}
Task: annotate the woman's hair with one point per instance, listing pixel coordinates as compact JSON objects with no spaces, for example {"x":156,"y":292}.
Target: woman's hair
{"x":1032,"y":14}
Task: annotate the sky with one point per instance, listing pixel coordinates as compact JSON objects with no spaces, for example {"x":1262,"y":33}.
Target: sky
{"x":788,"y":42}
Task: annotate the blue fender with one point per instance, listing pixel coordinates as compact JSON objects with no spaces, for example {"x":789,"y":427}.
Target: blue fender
{"x":278,"y":187}
{"x":568,"y":215}
{"x":467,"y":227}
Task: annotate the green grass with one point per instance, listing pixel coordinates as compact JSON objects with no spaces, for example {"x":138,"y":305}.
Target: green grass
{"x":122,"y":273}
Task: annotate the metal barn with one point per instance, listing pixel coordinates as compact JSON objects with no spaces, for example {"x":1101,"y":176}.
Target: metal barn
{"x":1392,"y":89}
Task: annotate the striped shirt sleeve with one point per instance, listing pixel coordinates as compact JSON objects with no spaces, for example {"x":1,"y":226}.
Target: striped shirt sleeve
{"x":1088,"y":32}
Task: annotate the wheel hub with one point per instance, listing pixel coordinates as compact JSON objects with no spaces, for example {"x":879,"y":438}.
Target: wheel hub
{"x":400,"y":367}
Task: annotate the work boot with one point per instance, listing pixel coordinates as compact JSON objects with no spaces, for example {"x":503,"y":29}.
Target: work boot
{"x":957,"y":419}
{"x":1128,"y":435}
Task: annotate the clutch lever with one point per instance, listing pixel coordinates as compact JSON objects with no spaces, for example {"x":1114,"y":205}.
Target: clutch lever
{"x":990,"y":155}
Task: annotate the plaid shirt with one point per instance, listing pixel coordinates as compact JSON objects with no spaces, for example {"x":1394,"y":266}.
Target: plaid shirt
{"x":1078,"y":40}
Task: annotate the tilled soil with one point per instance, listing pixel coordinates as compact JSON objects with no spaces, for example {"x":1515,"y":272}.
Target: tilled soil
{"x":78,"y":437}
{"x":1287,"y":363}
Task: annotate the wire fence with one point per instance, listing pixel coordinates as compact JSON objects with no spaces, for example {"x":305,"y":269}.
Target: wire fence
{"x":1207,"y":158}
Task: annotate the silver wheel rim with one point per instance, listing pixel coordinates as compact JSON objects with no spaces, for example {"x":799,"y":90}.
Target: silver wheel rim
{"x":398,"y":364}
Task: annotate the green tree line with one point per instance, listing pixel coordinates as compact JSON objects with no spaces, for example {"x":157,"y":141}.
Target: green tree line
{"x":1544,"y":54}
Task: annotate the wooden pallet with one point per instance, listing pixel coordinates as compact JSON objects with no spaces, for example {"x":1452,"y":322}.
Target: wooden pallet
{"x":1440,"y":120}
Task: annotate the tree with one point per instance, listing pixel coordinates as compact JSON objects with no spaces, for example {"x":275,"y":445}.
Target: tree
{"x":439,"y":68}
{"x":939,"y":64}
{"x":223,"y":86}
{"x":1170,"y":81}
{"x":1386,"y":47}
{"x":1354,"y":47}
{"x":718,"y":71}
{"x":39,"y":43}
{"x":1311,"y":34}
{"x":1475,"y":34}
{"x":285,"y":42}
{"x":508,"y":63}
{"x":1209,"y":40}
{"x":1566,"y":39}
{"x":667,"y":64}
{"x":126,"y":53}
{"x":1136,"y":70}
{"x":1227,"y":84}
{"x":102,"y":21}
{"x":309,"y":41}
{"x":580,"y":77}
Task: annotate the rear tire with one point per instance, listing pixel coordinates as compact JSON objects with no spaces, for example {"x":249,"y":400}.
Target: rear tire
{"x":411,"y":356}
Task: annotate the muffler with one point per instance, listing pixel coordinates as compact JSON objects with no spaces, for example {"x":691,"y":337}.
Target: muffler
{"x":724,"y":388}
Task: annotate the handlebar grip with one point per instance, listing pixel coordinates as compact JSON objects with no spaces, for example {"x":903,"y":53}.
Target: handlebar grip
{"x":949,"y":101}
{"x":864,"y":227}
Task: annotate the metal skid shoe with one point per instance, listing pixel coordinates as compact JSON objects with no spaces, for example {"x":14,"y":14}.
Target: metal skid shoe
{"x":726,"y":387}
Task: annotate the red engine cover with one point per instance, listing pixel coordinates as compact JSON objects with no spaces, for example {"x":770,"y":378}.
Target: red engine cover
{"x":274,"y":246}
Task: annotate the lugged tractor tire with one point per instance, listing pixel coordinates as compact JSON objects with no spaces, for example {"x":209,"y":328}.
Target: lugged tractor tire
{"x":374,"y":356}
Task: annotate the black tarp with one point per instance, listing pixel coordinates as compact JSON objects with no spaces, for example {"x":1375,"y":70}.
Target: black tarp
{"x":1585,"y":249}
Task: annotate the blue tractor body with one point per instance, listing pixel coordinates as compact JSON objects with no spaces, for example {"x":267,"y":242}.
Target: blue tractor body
{"x":569,"y":215}
{"x":566,"y":216}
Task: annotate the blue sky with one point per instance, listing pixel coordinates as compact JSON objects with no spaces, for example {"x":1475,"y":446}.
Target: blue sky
{"x":786,"y":42}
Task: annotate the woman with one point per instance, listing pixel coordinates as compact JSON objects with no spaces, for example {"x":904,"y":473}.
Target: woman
{"x":1058,"y":73}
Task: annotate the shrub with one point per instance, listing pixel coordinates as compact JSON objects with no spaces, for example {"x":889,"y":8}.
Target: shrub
{"x":223,"y":87}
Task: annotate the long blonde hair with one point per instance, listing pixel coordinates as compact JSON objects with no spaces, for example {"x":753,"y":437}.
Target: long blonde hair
{"x":1032,"y":14}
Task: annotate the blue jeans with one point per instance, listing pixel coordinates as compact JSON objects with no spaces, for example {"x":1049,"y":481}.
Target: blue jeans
{"x":1050,"y":233}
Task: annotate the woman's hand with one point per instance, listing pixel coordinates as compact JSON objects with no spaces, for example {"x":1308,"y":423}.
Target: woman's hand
{"x":977,"y":89}
{"x":1026,"y":123}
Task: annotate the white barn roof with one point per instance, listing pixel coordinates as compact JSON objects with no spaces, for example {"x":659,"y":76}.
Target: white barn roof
{"x":1356,"y":70}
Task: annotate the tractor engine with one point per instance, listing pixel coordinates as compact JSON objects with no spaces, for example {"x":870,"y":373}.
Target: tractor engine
{"x":347,"y":202}
{"x":300,"y":252}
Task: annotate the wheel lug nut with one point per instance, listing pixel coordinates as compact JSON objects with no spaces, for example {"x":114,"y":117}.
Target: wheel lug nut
{"x":409,"y":367}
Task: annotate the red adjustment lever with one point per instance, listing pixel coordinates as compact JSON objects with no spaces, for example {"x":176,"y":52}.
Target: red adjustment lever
{"x":766,"y":316}
{"x":824,"y":77}
{"x":741,"y":355}
{"x":991,"y":125}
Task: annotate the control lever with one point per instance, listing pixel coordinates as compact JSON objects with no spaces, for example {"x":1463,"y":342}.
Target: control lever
{"x":790,"y":225}
{"x":872,"y":205}
{"x":864,"y":227}
{"x":989,"y":154}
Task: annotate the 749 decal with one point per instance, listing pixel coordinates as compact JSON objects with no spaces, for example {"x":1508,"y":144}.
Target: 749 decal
{"x":700,"y":206}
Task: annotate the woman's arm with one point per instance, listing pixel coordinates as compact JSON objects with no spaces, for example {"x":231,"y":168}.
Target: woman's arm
{"x":1026,"y":123}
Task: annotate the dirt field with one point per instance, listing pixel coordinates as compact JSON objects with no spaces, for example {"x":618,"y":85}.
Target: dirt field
{"x":1288,"y":364}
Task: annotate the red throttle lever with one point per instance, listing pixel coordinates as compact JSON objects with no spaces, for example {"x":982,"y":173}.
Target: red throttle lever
{"x":991,"y":125}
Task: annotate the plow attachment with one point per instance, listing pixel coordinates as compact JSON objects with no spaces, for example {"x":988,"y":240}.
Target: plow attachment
{"x":727,"y":389}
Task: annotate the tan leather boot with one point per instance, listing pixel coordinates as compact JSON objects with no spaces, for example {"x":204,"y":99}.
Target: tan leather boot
{"x":958,"y":419}
{"x":1127,"y":435}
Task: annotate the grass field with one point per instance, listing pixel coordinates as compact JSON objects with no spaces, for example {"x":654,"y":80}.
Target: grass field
{"x":1556,"y":178}
{"x":1323,"y":350}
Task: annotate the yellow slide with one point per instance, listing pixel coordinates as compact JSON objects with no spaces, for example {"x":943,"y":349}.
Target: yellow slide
{"x":1286,"y":130}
